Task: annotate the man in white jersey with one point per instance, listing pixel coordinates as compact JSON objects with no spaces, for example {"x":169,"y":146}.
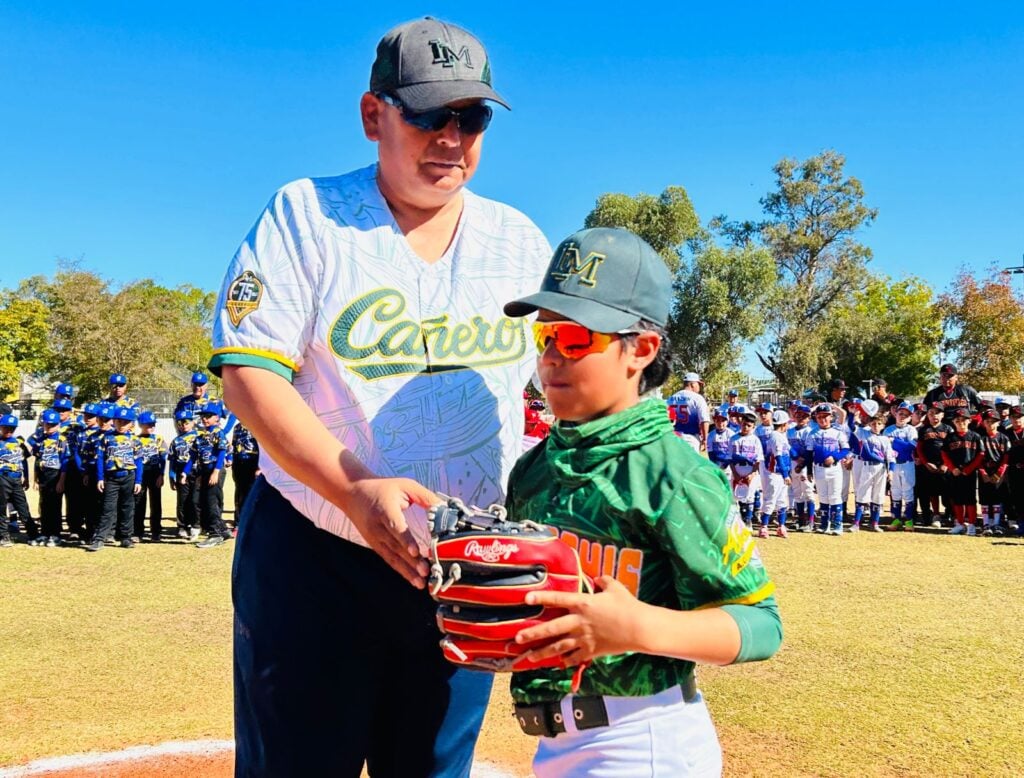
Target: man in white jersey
{"x":361,"y":339}
{"x":693,"y":417}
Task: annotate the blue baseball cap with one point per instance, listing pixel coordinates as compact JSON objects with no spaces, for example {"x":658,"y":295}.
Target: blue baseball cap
{"x":10,"y":420}
{"x":50,"y":416}
{"x":905,"y":406}
{"x":118,"y":379}
{"x":212,"y":409}
{"x":105,"y":410}
{"x":766,"y":407}
{"x":802,"y":407}
{"x":734,"y":393}
{"x":183,"y":415}
{"x":90,"y":409}
{"x":61,"y":404}
{"x":124,"y":414}
{"x":147,"y":417}
{"x":67,"y":390}
{"x":822,"y":408}
{"x":199,"y":378}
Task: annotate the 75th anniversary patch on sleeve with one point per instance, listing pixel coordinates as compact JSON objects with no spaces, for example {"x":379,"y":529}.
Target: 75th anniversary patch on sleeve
{"x":243,"y":296}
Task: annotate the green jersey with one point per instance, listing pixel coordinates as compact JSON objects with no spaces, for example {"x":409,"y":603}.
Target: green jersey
{"x":639,"y":504}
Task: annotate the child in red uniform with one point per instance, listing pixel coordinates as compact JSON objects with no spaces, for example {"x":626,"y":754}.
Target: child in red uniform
{"x":992,"y":492}
{"x":961,"y":458}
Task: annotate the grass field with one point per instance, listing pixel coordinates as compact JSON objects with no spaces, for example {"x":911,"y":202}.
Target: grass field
{"x":902,"y":657}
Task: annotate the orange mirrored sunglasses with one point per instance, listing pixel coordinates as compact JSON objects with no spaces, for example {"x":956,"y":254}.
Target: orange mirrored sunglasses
{"x":572,"y":340}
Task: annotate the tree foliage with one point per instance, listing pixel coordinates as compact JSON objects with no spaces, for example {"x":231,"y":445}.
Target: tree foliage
{"x":811,"y":221}
{"x":155,"y":335}
{"x":24,"y":347}
{"x":666,"y":221}
{"x":889,"y":329}
{"x":984,"y":323}
{"x":720,"y":293}
{"x":721,"y":297}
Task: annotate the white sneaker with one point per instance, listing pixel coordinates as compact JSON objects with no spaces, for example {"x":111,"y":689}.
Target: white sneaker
{"x":807,"y":528}
{"x":855,"y":528}
{"x":183,"y":533}
{"x":877,"y":527}
{"x":958,"y":529}
{"x":51,"y":541}
{"x":971,"y":530}
{"x":193,"y":534}
{"x":936,"y":524}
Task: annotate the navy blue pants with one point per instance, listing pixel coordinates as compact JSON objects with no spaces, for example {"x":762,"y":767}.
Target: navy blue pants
{"x":337,"y":660}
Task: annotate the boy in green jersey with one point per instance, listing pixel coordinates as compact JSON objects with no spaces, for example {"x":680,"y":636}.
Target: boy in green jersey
{"x":678,"y":576}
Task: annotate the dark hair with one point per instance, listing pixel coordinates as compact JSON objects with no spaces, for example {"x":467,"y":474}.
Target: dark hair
{"x":656,"y":373}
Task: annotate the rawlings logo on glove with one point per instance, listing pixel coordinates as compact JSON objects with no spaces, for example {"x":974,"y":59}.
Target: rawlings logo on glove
{"x":482,"y":567}
{"x":492,"y":553}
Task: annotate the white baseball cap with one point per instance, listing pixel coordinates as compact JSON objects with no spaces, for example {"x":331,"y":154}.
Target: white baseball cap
{"x":691,"y":377}
{"x":869,"y":407}
{"x":780,"y":417}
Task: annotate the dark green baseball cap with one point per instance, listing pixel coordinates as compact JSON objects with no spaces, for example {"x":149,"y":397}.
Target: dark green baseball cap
{"x":605,"y":278}
{"x":428,"y":63}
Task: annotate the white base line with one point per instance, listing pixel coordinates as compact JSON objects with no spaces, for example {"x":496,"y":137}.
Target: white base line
{"x":94,"y":759}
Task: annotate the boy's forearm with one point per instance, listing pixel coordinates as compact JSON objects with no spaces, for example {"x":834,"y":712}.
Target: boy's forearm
{"x":709,"y":636}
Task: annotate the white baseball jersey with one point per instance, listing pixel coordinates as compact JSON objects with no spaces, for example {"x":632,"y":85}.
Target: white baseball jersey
{"x":691,"y":411}
{"x":412,"y":366}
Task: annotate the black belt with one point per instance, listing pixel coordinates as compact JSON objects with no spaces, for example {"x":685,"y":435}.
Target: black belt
{"x":118,"y":473}
{"x":545,"y":718}
{"x":822,"y":464}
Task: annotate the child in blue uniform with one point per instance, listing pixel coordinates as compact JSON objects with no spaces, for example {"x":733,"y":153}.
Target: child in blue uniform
{"x":612,"y":472}
{"x":720,"y":440}
{"x":181,"y":459}
{"x":14,"y":454}
{"x":50,"y":449}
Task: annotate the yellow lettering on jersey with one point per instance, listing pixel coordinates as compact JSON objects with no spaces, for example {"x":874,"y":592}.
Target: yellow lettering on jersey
{"x":390,"y":344}
{"x":596,"y":559}
{"x":739,"y":548}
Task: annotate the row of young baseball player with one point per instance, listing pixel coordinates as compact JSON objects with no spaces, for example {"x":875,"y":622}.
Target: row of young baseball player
{"x":806,"y":460}
{"x":104,"y":472}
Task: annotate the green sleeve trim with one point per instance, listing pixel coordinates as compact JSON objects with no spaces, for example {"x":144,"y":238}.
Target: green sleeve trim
{"x":249,"y":360}
{"x":760,"y":629}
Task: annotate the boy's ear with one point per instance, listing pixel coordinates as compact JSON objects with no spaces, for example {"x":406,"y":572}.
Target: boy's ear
{"x":645,"y":349}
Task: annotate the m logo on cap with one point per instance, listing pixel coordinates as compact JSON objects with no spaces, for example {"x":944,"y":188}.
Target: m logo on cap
{"x":569,"y":264}
{"x":446,"y":57}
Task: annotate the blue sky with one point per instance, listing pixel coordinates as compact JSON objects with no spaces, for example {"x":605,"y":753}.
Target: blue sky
{"x":145,"y":139}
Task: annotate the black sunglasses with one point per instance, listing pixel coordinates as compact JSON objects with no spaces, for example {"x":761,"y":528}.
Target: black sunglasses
{"x":470,"y":120}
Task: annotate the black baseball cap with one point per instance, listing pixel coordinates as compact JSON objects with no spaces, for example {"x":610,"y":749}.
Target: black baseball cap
{"x":961,"y":413}
{"x":1016,"y":411}
{"x":427,"y":63}
{"x":605,"y":278}
{"x":948,"y":369}
{"x":837,"y":383}
{"x":991,"y":416}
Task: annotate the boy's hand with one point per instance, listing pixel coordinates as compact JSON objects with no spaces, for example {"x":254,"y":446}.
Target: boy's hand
{"x":601,"y":624}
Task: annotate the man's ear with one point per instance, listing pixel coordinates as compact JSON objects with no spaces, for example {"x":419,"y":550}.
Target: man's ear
{"x":370,"y":110}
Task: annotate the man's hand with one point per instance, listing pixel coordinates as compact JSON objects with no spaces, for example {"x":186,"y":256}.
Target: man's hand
{"x":214,"y":477}
{"x":137,"y":488}
{"x":375,"y":506}
{"x":100,"y":485}
{"x":828,"y":461}
{"x":182,"y":479}
{"x":596,"y":625}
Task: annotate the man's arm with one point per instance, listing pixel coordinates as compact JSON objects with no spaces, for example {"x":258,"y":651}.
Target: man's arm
{"x":271,"y":408}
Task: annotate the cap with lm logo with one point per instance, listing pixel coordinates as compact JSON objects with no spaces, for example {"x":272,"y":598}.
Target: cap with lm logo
{"x":604,"y":278}
{"x":428,"y":63}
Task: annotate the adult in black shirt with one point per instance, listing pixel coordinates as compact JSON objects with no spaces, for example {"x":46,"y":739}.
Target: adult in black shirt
{"x":951,"y":395}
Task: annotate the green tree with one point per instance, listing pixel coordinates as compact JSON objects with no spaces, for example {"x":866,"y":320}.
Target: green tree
{"x":984,"y":331}
{"x":811,"y":221}
{"x":721,"y":296}
{"x":155,"y":335}
{"x":720,"y":293}
{"x":24,"y":347}
{"x":889,"y":329}
{"x":667,"y":222}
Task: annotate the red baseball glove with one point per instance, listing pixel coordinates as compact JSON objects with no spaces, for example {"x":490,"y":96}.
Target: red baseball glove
{"x":483,"y":565}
